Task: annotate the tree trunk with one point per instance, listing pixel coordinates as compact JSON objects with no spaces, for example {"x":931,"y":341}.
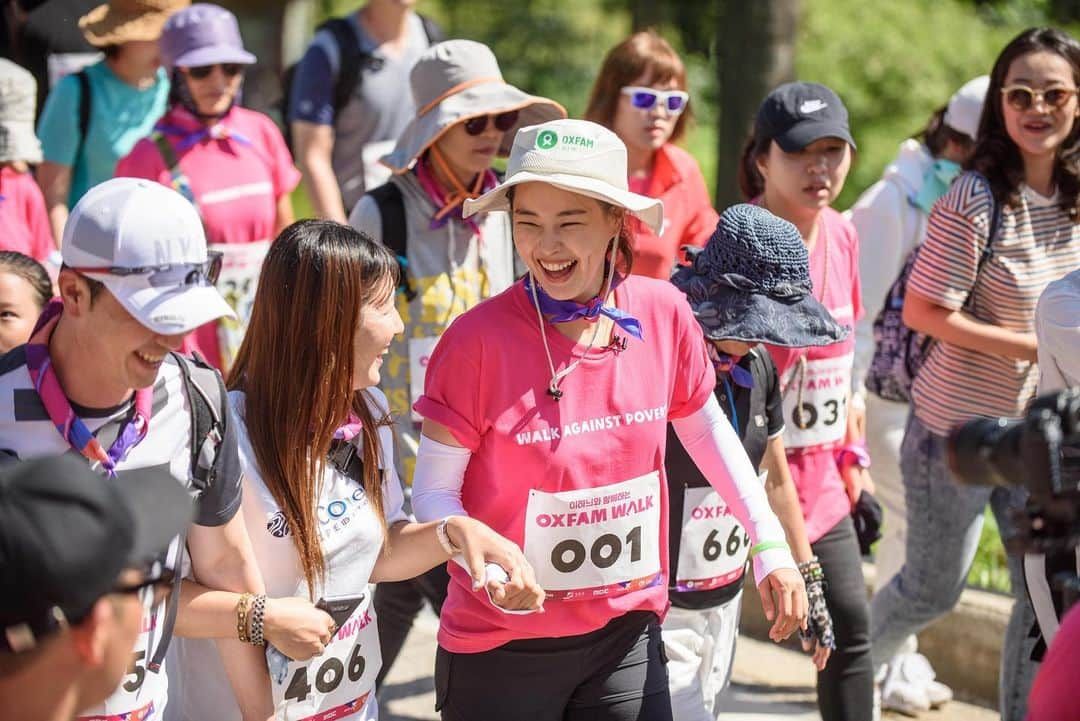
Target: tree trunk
{"x":646,"y":14}
{"x":756,"y":52}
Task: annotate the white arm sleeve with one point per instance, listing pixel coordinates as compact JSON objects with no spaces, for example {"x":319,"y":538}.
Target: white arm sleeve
{"x":440,"y":471}
{"x":710,"y":440}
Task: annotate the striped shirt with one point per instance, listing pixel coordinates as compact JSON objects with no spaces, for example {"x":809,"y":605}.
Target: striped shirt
{"x":1036,"y":244}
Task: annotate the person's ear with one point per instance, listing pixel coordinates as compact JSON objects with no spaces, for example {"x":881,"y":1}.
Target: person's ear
{"x":90,"y":638}
{"x":74,"y":291}
{"x":761,"y":162}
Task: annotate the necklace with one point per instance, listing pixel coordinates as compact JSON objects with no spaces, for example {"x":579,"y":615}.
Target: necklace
{"x":800,"y":418}
{"x":553,"y":389}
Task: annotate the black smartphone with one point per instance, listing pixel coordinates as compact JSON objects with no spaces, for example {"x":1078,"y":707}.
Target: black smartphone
{"x":341,"y":607}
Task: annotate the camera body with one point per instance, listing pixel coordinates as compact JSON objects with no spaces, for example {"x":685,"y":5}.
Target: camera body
{"x":1040,"y":452}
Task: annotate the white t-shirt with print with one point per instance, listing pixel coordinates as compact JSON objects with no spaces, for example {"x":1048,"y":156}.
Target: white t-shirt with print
{"x":351,"y":542}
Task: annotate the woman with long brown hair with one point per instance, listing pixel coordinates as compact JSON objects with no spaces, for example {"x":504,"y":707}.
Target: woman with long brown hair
{"x":322,"y":500}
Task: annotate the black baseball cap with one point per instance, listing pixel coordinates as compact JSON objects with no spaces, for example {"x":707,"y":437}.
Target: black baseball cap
{"x":67,"y":532}
{"x":797,"y":114}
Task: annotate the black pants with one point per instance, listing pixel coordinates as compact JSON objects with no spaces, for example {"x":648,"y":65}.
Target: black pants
{"x":617,"y":673}
{"x":845,"y":688}
{"x":396,"y":606}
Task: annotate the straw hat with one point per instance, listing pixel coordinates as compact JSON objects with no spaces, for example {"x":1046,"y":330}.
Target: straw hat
{"x":575,"y":155}
{"x":454,"y":81}
{"x":121,"y":21}
{"x":18,"y":94}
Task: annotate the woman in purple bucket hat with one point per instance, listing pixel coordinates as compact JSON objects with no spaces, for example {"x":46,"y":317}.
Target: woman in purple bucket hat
{"x":230,"y":162}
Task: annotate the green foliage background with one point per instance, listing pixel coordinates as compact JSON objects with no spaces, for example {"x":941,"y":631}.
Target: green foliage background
{"x":893,"y":62}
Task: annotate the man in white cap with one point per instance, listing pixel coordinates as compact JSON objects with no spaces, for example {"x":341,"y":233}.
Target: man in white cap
{"x":891,"y":218}
{"x":100,"y":377}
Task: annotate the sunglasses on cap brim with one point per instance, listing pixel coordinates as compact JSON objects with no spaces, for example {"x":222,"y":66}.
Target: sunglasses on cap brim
{"x":503,"y":122}
{"x":170,"y":275}
{"x":674,"y":101}
{"x":202,"y":72}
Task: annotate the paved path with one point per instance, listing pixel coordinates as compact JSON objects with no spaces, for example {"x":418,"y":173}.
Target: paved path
{"x":769,"y":683}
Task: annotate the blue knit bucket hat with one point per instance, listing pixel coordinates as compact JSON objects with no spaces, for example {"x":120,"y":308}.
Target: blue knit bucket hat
{"x":751,"y":282}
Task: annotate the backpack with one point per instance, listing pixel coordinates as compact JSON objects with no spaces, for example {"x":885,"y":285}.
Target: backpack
{"x":352,"y":61}
{"x":207,"y":399}
{"x":899,"y":351}
{"x":395,"y":235}
{"x":85,"y":101}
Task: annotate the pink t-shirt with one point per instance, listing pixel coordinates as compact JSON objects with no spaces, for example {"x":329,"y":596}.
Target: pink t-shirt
{"x":486,"y":382}
{"x":1053,"y":694}
{"x":24,"y":223}
{"x":236,"y":181}
{"x":826,"y":381}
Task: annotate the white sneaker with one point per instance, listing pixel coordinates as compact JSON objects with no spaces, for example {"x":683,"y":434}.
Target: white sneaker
{"x":918,"y":670}
{"x":900,"y":694}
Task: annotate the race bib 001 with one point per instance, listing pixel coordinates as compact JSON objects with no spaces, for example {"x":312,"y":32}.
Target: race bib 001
{"x":713,"y":546}
{"x":595,"y":541}
{"x":817,"y":418}
{"x":337,"y":683}
{"x":420,"y":350}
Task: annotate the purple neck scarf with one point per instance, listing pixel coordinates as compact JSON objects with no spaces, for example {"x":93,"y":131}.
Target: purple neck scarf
{"x":564,"y":311}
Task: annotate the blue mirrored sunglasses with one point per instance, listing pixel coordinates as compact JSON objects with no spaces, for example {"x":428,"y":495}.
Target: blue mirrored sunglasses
{"x":645,"y":98}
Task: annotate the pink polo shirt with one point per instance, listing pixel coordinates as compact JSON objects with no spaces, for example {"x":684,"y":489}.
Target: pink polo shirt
{"x":826,"y":382}
{"x":24,"y":223}
{"x":689,"y":217}
{"x":486,"y":383}
{"x":237,"y":181}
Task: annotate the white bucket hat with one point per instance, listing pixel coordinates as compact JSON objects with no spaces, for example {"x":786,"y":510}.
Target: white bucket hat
{"x":18,"y":95}
{"x":145,"y":242}
{"x":574,"y":155}
{"x":455,"y":81}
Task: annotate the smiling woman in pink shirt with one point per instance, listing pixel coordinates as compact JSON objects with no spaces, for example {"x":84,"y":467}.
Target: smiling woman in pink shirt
{"x":545,"y":416}
{"x":641,"y":93}
{"x":230,"y":162}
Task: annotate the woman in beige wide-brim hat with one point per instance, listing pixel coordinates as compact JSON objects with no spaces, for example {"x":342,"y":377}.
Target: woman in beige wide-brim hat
{"x":545,"y":415}
{"x":466,"y":116}
{"x":94,"y":118}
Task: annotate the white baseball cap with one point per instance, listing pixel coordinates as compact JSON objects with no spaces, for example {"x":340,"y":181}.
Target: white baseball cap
{"x":575,"y":155}
{"x":966,"y":105}
{"x":145,"y":242}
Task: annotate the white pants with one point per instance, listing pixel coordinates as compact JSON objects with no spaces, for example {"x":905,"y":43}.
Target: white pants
{"x":885,"y":424}
{"x":700,"y":647}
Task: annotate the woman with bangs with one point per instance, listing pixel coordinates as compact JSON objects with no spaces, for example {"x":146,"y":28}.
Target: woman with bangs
{"x":1005,"y":230}
{"x":322,"y":501}
{"x":641,"y":93}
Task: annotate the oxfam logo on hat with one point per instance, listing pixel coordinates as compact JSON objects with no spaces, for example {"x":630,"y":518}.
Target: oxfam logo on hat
{"x":547,"y":139}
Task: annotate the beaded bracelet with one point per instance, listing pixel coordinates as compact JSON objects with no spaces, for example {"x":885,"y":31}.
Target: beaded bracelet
{"x":242,"y":616}
{"x":811,"y":570}
{"x":444,"y":538}
{"x":258,"y":608}
{"x":768,"y":546}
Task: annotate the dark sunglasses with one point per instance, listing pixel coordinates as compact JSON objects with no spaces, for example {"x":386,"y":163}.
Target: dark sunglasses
{"x":160,"y":583}
{"x":202,"y":72}
{"x":1021,"y":97}
{"x":645,"y":98}
{"x":503,"y":122}
{"x":174,"y":274}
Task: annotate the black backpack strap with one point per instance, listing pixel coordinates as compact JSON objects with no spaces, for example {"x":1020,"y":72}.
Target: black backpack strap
{"x":207,"y":398}
{"x":434,"y":33}
{"x":395,"y":235}
{"x":991,"y":235}
{"x":84,"y":112}
{"x":351,"y":60}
